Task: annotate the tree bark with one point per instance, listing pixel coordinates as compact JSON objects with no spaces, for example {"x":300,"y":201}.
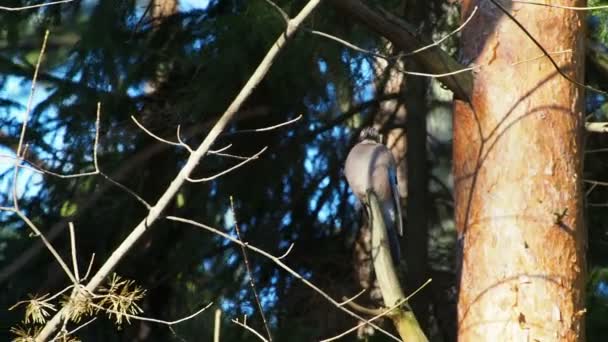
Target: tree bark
{"x":518,"y":172}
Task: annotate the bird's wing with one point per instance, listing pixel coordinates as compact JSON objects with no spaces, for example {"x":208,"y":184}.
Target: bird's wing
{"x":397,"y":199}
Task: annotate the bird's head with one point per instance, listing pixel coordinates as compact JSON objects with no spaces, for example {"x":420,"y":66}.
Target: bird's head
{"x":370,"y":133}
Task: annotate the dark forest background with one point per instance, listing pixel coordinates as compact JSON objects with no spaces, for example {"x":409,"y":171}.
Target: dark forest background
{"x":171,"y":63}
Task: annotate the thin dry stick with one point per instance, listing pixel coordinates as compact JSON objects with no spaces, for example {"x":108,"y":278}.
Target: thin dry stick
{"x":191,"y":163}
{"x":217,"y":325}
{"x":244,"y":325}
{"x":289,"y":270}
{"x":40,"y":170}
{"x":154,"y":320}
{"x":542,"y":48}
{"x":248,"y":268}
{"x":247,"y":160}
{"x":12,"y":9}
{"x":73,"y":248}
{"x":573,"y":8}
{"x":270,"y":128}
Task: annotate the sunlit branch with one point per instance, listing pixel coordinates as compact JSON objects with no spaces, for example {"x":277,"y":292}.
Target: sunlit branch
{"x":542,"y":48}
{"x":21,"y":8}
{"x":253,"y":157}
{"x":193,"y":160}
{"x":573,"y":8}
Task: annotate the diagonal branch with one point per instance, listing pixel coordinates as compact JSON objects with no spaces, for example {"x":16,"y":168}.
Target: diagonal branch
{"x":193,"y":160}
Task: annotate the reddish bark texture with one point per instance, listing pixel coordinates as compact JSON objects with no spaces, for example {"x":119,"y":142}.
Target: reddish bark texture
{"x":518,"y":169}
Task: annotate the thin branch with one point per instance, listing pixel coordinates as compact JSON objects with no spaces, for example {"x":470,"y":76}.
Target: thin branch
{"x":217,"y":325}
{"x":541,"y":56}
{"x":348,"y":300}
{"x":442,"y":39}
{"x":13,"y":9}
{"x":153,"y":320}
{"x":596,"y":127}
{"x":573,"y":8}
{"x":244,"y":325}
{"x":545,"y":52}
{"x":253,"y":157}
{"x":193,"y":160}
{"x":73,"y":248}
{"x":30,"y":99}
{"x":282,"y":265}
{"x":143,"y":128}
{"x":269,"y":128}
{"x":286,"y":252}
{"x":279,"y":10}
{"x":127,"y":190}
{"x":379,"y":314}
{"x":388,"y":58}
{"x":248,"y":268}
{"x":48,"y":245}
{"x":86,"y":275}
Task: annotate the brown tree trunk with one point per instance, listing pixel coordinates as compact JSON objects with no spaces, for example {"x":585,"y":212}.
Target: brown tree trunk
{"x":518,"y":170}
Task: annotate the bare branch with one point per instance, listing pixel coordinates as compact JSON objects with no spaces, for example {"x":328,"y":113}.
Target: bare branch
{"x":388,"y":58}
{"x":193,"y":160}
{"x":253,"y":157}
{"x":279,"y":10}
{"x":270,"y":128}
{"x":127,"y":190}
{"x":154,"y":135}
{"x":573,"y":8}
{"x":379,"y":314}
{"x":73,"y":248}
{"x":596,"y":127}
{"x":244,"y":325}
{"x":217,"y":325}
{"x":545,"y":52}
{"x":154,"y":320}
{"x":286,"y":252}
{"x":348,"y":300}
{"x":13,"y":9}
{"x":284,"y":267}
{"x":248,"y":268}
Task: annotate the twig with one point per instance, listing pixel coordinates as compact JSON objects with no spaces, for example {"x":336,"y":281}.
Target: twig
{"x":217,"y":325}
{"x":284,"y":267}
{"x":269,"y":128}
{"x":378,"y":315}
{"x":154,"y":320}
{"x":12,"y":9}
{"x":143,"y":128}
{"x":348,"y":300}
{"x":389,"y":58}
{"x":401,"y":54}
{"x":545,"y":52}
{"x":248,"y":268}
{"x":244,"y":325}
{"x":73,"y":248}
{"x":286,"y":252}
{"x":573,"y":8}
{"x":193,"y":160}
{"x":253,"y":157}
{"x":596,"y":127}
{"x":279,"y":10}
{"x":127,"y":190}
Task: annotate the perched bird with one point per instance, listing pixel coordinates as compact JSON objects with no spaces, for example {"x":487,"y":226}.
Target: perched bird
{"x":370,"y":166}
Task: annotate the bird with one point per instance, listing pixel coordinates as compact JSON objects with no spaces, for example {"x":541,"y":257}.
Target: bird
{"x":370,"y":166}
